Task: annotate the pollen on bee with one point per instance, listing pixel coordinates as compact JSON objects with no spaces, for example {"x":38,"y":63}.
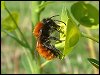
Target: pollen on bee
{"x":49,"y":51}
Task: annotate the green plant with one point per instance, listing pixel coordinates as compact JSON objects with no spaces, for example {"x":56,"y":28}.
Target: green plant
{"x":84,"y":16}
{"x":88,"y":16}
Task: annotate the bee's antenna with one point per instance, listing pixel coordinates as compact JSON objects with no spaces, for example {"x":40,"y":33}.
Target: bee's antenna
{"x":54,"y":16}
{"x":60,"y":21}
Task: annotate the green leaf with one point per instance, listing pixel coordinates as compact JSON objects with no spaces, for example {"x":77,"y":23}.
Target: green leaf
{"x":70,"y":33}
{"x":64,"y":18}
{"x":86,"y":14}
{"x":8,"y":23}
{"x":2,"y":4}
{"x":94,"y":62}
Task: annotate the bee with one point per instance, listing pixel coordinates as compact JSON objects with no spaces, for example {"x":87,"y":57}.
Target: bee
{"x":42,"y":32}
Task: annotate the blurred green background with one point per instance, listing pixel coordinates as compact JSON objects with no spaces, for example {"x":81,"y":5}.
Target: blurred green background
{"x":12,"y":54}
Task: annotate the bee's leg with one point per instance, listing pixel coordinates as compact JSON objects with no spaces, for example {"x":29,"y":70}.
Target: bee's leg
{"x":54,"y":38}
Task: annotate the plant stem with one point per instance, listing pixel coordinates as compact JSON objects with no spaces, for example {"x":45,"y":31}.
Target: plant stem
{"x":78,"y":25}
{"x":91,"y":48}
{"x":17,"y":27}
{"x":90,"y":37}
{"x":35,"y":13}
{"x":42,"y":65}
{"x":35,"y":19}
{"x":12,"y":36}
